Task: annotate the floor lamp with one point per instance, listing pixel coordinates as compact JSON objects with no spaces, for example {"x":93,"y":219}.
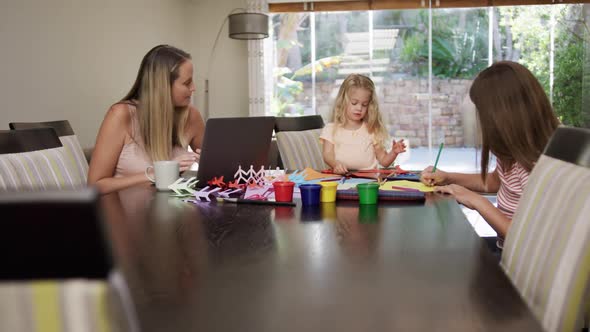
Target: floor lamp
{"x":243,"y":26}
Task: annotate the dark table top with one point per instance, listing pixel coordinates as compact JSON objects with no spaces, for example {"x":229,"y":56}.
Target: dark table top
{"x":335,"y":267}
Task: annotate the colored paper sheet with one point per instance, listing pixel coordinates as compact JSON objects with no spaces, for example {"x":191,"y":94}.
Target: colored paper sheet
{"x":390,"y":185}
{"x":311,"y":174}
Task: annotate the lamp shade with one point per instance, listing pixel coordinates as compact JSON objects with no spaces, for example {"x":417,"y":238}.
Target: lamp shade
{"x":248,"y":26}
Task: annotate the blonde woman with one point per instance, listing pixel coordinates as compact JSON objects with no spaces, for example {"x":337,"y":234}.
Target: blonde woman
{"x":357,"y":138}
{"x":155,"y":121}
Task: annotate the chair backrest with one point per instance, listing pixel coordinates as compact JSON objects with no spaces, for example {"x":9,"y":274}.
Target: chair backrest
{"x":28,"y":140}
{"x":52,"y":235}
{"x":301,"y":149}
{"x":34,"y":159}
{"x":74,"y":152}
{"x":571,"y":145}
{"x":296,"y":124}
{"x":547,"y":249}
{"x":62,"y":127}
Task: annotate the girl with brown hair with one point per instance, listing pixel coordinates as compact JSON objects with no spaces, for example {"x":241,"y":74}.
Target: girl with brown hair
{"x":516,"y":121}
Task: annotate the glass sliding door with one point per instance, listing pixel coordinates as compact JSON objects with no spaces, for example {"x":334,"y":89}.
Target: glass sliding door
{"x":459,"y":50}
{"x":586,"y":68}
{"x":292,"y":60}
{"x":399,"y":67}
{"x":314,"y":52}
{"x":570,"y":85}
{"x":341,"y":48}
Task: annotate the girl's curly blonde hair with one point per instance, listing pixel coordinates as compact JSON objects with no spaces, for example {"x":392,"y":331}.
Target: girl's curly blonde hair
{"x":372,"y":119}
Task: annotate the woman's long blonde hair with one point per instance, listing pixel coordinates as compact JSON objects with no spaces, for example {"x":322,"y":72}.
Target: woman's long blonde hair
{"x":372,"y":119}
{"x":515,"y":115}
{"x":161,"y":124}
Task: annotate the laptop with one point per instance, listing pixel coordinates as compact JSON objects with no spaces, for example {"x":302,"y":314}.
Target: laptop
{"x":233,"y":142}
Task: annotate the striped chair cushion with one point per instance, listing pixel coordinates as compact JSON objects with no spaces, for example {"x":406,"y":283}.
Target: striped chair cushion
{"x":75,"y":155}
{"x":9,"y":179}
{"x":547,"y":250}
{"x":76,"y":305}
{"x":39,"y":170}
{"x":301,"y":149}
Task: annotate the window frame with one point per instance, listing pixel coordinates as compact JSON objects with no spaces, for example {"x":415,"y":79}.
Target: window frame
{"x":324,"y":6}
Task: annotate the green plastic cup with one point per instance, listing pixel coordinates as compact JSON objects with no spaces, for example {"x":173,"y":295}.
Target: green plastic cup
{"x":368,"y":192}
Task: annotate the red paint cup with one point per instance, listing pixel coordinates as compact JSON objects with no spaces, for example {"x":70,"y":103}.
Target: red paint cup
{"x":283,"y":191}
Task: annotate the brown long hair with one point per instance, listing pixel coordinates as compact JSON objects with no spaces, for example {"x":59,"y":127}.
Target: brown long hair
{"x":515,"y":115}
{"x":161,"y":125}
{"x":373,"y":119}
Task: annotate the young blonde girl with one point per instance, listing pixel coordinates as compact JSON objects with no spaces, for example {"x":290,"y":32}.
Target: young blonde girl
{"x":516,"y":121}
{"x":155,"y":121}
{"x":357,"y":138}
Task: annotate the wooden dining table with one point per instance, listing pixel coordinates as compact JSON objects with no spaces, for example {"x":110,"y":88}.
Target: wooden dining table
{"x":394,"y":266}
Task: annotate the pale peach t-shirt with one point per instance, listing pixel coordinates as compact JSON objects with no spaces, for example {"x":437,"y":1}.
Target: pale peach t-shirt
{"x":353,"y":148}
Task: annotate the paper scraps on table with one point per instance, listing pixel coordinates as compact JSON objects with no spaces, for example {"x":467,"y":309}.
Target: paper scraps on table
{"x":352,"y":182}
{"x":404,"y":185}
{"x":311,"y":174}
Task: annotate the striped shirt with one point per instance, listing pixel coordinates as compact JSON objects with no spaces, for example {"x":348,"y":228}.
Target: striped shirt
{"x":512,"y":183}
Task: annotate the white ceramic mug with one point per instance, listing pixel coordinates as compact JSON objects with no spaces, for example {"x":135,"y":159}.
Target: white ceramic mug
{"x":166,"y":172}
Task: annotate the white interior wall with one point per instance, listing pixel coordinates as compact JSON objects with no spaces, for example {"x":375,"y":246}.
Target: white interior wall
{"x":66,"y":59}
{"x":228,"y":73}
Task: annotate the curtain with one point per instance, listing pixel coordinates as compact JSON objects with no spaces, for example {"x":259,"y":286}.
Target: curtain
{"x":258,"y":67}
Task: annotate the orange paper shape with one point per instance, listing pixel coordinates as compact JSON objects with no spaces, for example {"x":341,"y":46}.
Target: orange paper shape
{"x":234,"y":184}
{"x":311,"y":174}
{"x":217,"y":181}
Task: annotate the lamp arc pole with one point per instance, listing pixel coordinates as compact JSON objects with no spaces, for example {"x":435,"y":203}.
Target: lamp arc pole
{"x":210,"y":62}
{"x":245,"y":26}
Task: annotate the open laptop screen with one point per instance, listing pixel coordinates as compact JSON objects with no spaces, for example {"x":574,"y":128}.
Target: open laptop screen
{"x":232,"y":142}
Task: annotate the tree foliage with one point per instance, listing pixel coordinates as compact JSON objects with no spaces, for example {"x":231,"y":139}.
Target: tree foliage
{"x":531,"y":33}
{"x":458,"y":43}
{"x":459,"y":48}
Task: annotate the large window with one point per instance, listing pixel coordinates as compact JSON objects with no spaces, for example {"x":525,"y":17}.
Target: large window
{"x":423,"y":62}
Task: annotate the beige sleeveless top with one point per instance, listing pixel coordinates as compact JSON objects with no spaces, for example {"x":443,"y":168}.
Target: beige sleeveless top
{"x":133,"y":158}
{"x":354,"y":148}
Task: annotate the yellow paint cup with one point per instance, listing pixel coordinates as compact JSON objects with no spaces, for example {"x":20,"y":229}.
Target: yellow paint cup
{"x":328,"y":192}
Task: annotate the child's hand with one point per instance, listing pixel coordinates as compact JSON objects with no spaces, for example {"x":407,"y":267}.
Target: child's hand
{"x":431,"y":179}
{"x":462,"y":195}
{"x":340,"y":168}
{"x":398,"y":147}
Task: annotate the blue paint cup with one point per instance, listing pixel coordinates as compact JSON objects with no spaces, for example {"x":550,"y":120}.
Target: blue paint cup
{"x":310,"y":194}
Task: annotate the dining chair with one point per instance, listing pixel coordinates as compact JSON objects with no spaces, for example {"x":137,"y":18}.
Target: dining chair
{"x":28,"y":140}
{"x":547,"y":249}
{"x":35,"y":159}
{"x":298,"y":142}
{"x":298,"y":123}
{"x":76,"y":155}
{"x":57,"y":270}
{"x":53,"y":234}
